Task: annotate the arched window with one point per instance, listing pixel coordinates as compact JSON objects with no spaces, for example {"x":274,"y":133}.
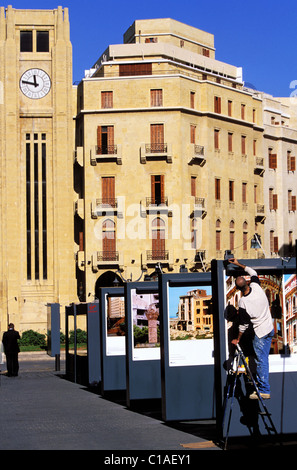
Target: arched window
{"x":231,"y":234}
{"x":109,"y":240}
{"x":158,"y":239}
{"x":218,"y":234}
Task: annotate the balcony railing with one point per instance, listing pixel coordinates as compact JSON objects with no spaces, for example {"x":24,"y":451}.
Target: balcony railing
{"x":106,"y":149}
{"x":107,"y":256}
{"x":107,"y":202}
{"x":259,"y":166}
{"x":260,"y":212}
{"x":157,"y":255}
{"x":197,"y":155}
{"x":156,"y":148}
{"x":157,"y":201}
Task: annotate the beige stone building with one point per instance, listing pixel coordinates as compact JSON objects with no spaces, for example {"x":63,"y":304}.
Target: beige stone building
{"x":168,"y":143}
{"x":36,"y":147}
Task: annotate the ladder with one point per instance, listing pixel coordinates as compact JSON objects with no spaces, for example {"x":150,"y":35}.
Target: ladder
{"x":239,"y":362}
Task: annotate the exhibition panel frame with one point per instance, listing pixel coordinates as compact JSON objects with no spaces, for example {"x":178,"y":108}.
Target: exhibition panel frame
{"x":278,"y":280}
{"x":83,"y":366}
{"x":187,"y":361}
{"x":113,"y":347}
{"x":143,"y":367}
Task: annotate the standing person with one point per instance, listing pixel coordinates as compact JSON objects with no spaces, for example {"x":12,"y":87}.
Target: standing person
{"x":11,"y":350}
{"x":254,"y":308}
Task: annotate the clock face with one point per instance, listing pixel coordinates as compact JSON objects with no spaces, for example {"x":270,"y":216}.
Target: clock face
{"x":35,"y":83}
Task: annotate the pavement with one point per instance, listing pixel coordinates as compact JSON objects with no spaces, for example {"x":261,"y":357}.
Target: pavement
{"x":41,"y":410}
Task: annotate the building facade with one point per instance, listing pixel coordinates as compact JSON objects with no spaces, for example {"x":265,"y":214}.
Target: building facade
{"x":36,"y":146}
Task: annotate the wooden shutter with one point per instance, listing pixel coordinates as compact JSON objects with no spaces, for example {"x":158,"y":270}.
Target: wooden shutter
{"x":192,"y":133}
{"x":275,"y":244}
{"x":158,"y":239}
{"x":230,"y":146}
{"x":217,"y":189}
{"x":218,"y":240}
{"x":293,"y":163}
{"x":110,"y":139}
{"x":157,"y":137}
{"x":99,"y":137}
{"x":108,"y":190}
{"x":243,"y":147}
{"x":273,"y":161}
{"x":216,"y":139}
{"x":108,"y":240}
{"x":193,"y":185}
{"x":293,"y":202}
{"x":274,"y":202}
{"x":106,"y":99}
{"x":217,"y":104}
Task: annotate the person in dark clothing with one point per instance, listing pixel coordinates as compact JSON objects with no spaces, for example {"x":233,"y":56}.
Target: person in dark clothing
{"x":11,"y":350}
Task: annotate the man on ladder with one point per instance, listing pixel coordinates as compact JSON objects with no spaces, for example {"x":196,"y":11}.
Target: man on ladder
{"x":254,"y":308}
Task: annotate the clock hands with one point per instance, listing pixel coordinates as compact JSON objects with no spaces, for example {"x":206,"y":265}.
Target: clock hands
{"x":31,"y":83}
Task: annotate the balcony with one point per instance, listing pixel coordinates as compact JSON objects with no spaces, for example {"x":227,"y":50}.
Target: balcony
{"x":260,"y":213}
{"x":197,"y":155}
{"x":259,"y":166}
{"x":102,"y":259}
{"x":199,"y":207}
{"x":153,"y":152}
{"x":105,"y":206}
{"x":106,"y":153}
{"x":157,"y":255}
{"x":200,"y":256}
{"x":155,"y":205}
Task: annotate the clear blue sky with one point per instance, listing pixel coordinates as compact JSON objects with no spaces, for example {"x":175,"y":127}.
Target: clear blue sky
{"x":259,"y":36}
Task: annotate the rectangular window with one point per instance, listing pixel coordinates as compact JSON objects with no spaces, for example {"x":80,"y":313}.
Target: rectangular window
{"x":126,"y":70}
{"x":231,"y":191}
{"x":291,"y":202}
{"x":157,"y":138}
{"x":156,"y":97}
{"x":254,"y":115}
{"x":217,"y":104}
{"x":105,"y":140}
{"x":243,"y":145}
{"x":229,"y":108}
{"x":106,"y":99}
{"x":216,"y":139}
{"x":272,"y":160}
{"x":157,"y":189}
{"x":244,"y":192}
{"x":291,"y":162}
{"x":192,"y":99}
{"x":42,"y":41}
{"x":26,"y":41}
{"x":254,"y":148}
{"x":108,"y":190}
{"x":243,"y":111}
{"x":230,"y":142}
{"x":192,"y":133}
{"x":193,"y":185}
{"x":273,"y":203}
{"x":217,"y":189}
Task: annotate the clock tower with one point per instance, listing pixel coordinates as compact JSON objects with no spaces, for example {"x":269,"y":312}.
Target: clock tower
{"x":36,"y":157}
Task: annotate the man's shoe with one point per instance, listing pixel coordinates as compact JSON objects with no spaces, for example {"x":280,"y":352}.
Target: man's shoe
{"x":254,"y":396}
